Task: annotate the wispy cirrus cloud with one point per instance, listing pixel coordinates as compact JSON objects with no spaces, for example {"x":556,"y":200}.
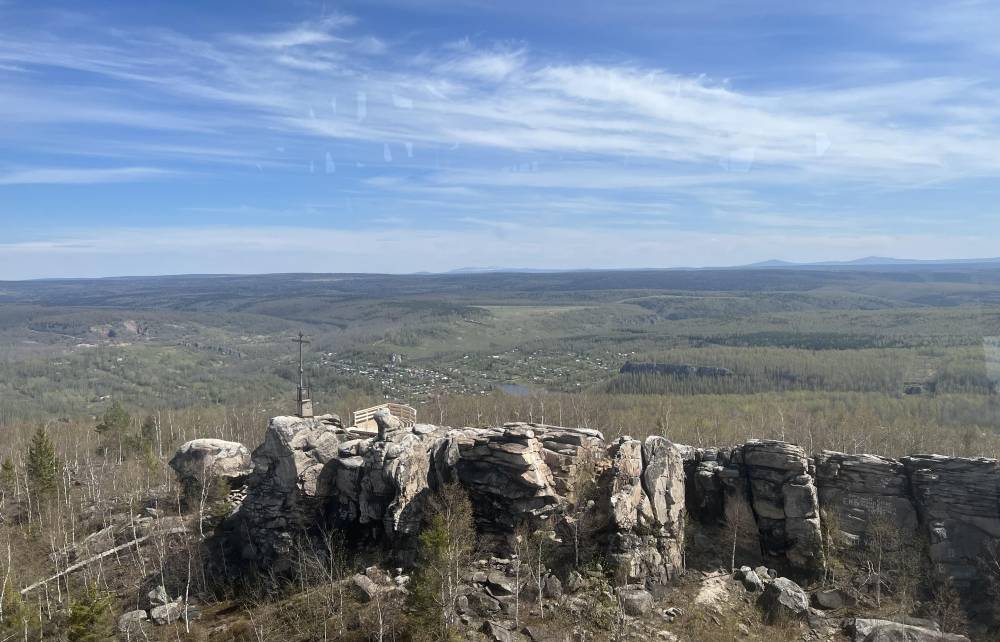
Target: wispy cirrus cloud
{"x":318,"y":32}
{"x":403,"y":127}
{"x":81,"y":176}
{"x":509,"y":101}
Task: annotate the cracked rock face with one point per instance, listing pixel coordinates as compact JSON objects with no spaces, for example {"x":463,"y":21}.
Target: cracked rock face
{"x":953,"y":501}
{"x":959,"y":504}
{"x":310,"y":472}
{"x":223,"y":458}
{"x":283,"y":487}
{"x":861,"y":489}
{"x":785,"y":502}
{"x":645,"y":499}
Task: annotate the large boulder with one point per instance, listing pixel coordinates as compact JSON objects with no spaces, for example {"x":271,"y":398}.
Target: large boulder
{"x":636,"y":601}
{"x":870,"y":630}
{"x":783,"y":599}
{"x":130,"y":623}
{"x":167,"y":613}
{"x":205,"y":460}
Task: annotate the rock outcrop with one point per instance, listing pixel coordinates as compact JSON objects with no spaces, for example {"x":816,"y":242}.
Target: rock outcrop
{"x":634,"y":496}
{"x":311,"y":472}
{"x":783,"y":599}
{"x":954,"y":502}
{"x":645,"y":499}
{"x":777,"y":479}
{"x":283,"y":494}
{"x":959,"y":504}
{"x":860,"y":490}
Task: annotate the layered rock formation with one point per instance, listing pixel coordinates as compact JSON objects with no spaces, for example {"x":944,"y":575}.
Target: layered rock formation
{"x":283,"y":496}
{"x":860,"y":490}
{"x":954,"y":501}
{"x":959,"y":504}
{"x":313,"y":473}
{"x":772,"y":481}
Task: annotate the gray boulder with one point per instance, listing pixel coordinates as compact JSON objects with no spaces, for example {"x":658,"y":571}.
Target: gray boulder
{"x":831,"y":599}
{"x":386,"y":423}
{"x":870,"y":630}
{"x":131,"y":622}
{"x":499,"y":584}
{"x":167,"y":613}
{"x":751,"y":581}
{"x":482,"y":605}
{"x":783,"y":599}
{"x":203,"y":460}
{"x":497,"y":633}
{"x":364,"y":587}
{"x":158,"y":596}
{"x":552,"y":589}
{"x":636,"y":602}
{"x":765,"y":573}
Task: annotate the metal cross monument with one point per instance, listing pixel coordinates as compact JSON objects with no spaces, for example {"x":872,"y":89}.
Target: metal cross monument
{"x":305,"y":407}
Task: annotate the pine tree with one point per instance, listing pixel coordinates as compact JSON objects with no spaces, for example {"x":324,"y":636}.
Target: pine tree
{"x":8,"y":475}
{"x":114,"y":428}
{"x":15,"y":615}
{"x":90,"y":617}
{"x":42,"y":465}
{"x":147,"y":435}
{"x":447,"y":547}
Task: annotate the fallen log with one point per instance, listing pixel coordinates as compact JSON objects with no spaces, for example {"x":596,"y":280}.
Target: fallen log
{"x":99,"y":556}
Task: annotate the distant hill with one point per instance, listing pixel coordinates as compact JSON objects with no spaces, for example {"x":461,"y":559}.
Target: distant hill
{"x":493,"y":269}
{"x":870,"y":261}
{"x":864,"y":262}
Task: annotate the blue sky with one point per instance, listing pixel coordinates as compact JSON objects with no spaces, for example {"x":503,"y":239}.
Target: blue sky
{"x":399,"y":136}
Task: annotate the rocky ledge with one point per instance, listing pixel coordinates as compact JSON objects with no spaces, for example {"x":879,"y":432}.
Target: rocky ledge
{"x":631,"y":497}
{"x":311,"y":474}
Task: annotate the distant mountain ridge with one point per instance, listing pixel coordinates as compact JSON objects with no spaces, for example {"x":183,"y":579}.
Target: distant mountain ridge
{"x":869,"y":261}
{"x":492,"y":269}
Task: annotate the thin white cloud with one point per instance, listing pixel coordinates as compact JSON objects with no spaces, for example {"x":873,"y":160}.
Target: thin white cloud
{"x":492,"y":66}
{"x":81,"y":176}
{"x":603,"y":139}
{"x":318,"y":33}
{"x":902,"y":131}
